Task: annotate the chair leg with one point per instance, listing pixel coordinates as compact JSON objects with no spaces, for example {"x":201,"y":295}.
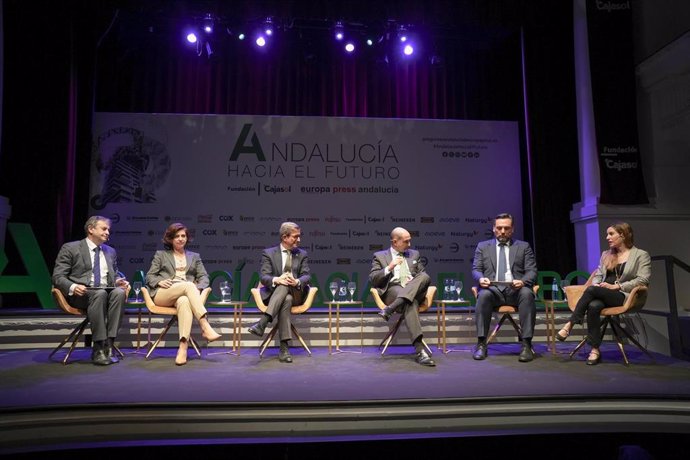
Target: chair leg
{"x":498,"y":326}
{"x":517,"y":328}
{"x":579,"y":345}
{"x":629,"y":336}
{"x":160,"y":337}
{"x":391,"y":334}
{"x":82,"y":326}
{"x":118,"y":351}
{"x":299,"y":337}
{"x":78,"y":328}
{"x":266,"y":341}
{"x":426,"y":347}
{"x":194,"y":345}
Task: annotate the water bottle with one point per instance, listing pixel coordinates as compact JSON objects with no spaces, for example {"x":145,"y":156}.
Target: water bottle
{"x":554,"y":291}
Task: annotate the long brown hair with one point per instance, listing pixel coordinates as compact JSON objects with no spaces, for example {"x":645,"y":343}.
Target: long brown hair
{"x":170,"y":233}
{"x":626,"y":232}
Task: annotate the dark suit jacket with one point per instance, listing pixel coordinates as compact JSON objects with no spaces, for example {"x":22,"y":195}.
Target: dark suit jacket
{"x":272,"y":266}
{"x":521,"y":259}
{"x":163,"y":267}
{"x":377,"y":277}
{"x":73,"y":265}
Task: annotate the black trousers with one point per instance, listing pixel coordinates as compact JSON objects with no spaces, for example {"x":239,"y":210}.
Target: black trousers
{"x":593,"y":300}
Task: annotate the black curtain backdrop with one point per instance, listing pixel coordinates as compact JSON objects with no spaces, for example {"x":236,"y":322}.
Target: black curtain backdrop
{"x":122,"y":56}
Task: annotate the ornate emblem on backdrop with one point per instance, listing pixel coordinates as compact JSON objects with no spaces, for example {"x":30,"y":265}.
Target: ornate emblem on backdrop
{"x":128,"y":166}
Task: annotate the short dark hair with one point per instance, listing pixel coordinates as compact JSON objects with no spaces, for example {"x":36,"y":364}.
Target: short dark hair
{"x":170,"y":233}
{"x":504,"y":215}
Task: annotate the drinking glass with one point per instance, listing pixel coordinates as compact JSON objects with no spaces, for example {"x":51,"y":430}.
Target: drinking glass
{"x":225,"y":291}
{"x":334,"y":288}
{"x":352,"y":286}
{"x":458,"y":289}
{"x":137,"y":289}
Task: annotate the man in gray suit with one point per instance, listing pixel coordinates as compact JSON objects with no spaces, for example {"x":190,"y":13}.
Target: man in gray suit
{"x":285,"y":282}
{"x":86,"y":273}
{"x":506,"y":270}
{"x":398,"y":275}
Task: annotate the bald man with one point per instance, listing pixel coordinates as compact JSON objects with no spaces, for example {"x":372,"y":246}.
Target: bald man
{"x":398,"y":275}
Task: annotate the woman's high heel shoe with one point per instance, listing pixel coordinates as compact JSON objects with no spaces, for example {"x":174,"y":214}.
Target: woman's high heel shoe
{"x":593,"y":361}
{"x":181,"y":358}
{"x":562,"y":334}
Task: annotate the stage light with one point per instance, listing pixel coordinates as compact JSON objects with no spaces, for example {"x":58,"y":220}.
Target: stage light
{"x":261,"y":41}
{"x":268,"y":27}
{"x":370,"y":42}
{"x":241,"y":36}
{"x":191,"y":37}
{"x":207,"y":23}
{"x":350,"y":47}
{"x":339,"y":31}
{"x":408,"y":50}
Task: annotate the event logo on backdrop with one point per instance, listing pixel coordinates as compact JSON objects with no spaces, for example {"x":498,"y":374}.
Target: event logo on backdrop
{"x":232,"y":179}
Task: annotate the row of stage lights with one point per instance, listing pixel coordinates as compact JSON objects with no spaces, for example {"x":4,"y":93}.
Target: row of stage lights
{"x":201,"y":35}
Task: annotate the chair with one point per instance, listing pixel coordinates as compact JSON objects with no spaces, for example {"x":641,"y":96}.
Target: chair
{"x":424,"y":306}
{"x":172,"y":311}
{"x":78,"y":330}
{"x":506,"y":312}
{"x":634,"y":303}
{"x":295,"y":310}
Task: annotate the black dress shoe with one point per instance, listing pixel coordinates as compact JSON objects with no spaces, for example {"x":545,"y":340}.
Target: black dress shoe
{"x":108,"y":350}
{"x":480,"y":351}
{"x":284,"y":356}
{"x":99,"y":358}
{"x":526,"y":354}
{"x":385,"y":314}
{"x":561,"y":338}
{"x":424,"y":359}
{"x":257,"y":329}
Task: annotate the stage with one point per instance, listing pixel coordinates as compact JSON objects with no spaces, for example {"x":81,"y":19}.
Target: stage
{"x":227,"y":399}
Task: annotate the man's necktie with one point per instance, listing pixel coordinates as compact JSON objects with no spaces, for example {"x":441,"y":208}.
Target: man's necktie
{"x":288,"y":262}
{"x":97,"y":266}
{"x":404,"y":271}
{"x":502,"y":262}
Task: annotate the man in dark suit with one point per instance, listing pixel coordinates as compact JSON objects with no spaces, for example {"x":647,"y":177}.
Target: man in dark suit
{"x":398,"y":275}
{"x":86,"y":273}
{"x":506,"y":270}
{"x":285,"y":281}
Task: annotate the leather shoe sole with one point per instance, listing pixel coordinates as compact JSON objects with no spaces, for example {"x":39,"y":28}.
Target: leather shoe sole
{"x":256,"y":330}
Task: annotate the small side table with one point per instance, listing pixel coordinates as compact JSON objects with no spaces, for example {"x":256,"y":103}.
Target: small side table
{"x":337,"y":305}
{"x":550,"y":320}
{"x":139,"y":304}
{"x":441,"y":322}
{"x":237,"y":307}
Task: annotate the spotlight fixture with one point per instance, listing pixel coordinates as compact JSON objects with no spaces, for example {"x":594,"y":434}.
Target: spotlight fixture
{"x":207,"y":23}
{"x":241,"y":36}
{"x":268,"y":26}
{"x":349,"y":47}
{"x":408,"y":50}
{"x":339,"y":31}
{"x":260,"y":41}
{"x":191,"y":37}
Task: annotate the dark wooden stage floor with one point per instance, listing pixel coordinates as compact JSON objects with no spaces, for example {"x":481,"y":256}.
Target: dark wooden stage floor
{"x":225,"y":399}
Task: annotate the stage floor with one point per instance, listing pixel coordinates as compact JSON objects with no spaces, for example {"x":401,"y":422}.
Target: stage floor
{"x":224,"y":398}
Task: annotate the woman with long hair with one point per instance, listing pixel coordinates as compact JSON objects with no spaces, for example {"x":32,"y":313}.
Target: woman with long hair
{"x":621,"y":268}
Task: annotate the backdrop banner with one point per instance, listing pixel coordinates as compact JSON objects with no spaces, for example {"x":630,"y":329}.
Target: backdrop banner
{"x":612,"y":70}
{"x":232,"y":179}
